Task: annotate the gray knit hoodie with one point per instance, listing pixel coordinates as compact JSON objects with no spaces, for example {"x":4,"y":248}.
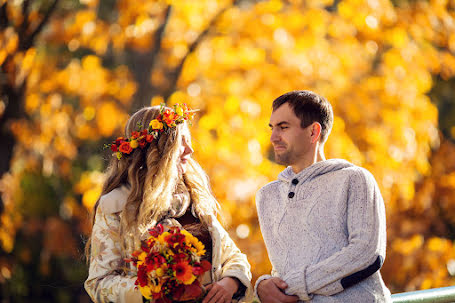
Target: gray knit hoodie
{"x":325,"y":232}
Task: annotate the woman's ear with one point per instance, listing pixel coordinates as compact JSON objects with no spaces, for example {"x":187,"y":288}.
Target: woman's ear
{"x":315,"y":132}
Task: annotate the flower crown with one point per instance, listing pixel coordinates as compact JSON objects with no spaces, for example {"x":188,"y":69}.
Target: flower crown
{"x":168,"y":118}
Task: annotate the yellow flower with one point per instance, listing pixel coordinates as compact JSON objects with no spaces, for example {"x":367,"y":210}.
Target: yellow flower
{"x":134,"y":144}
{"x":155,"y":124}
{"x":200,"y":249}
{"x":169,"y":253}
{"x":146,"y":292}
{"x":161,"y":238}
{"x":119,"y":155}
{"x":155,"y":288}
{"x":190,"y":281}
{"x":141,"y":258}
{"x":179,"y":110}
{"x":159,"y":272}
{"x":197,"y":247}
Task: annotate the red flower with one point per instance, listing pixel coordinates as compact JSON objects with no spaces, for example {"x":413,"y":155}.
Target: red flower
{"x":180,"y":257}
{"x":142,"y":142}
{"x":142,"y":277}
{"x":169,"y":117}
{"x":114,"y":147}
{"x":119,"y":141}
{"x":154,"y":261}
{"x":149,"y":138}
{"x":145,"y":247}
{"x":201,"y":268}
{"x":125,"y":147}
{"x":175,"y":239}
{"x":156,"y":231}
{"x":135,"y":135}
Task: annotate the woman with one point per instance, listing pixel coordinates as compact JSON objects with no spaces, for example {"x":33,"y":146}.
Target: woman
{"x":154,"y":180}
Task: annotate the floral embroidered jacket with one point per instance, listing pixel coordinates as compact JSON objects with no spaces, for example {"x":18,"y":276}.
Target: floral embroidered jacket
{"x":111,"y":279}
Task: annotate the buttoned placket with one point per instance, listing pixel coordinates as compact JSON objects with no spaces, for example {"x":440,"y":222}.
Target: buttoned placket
{"x":292,"y":188}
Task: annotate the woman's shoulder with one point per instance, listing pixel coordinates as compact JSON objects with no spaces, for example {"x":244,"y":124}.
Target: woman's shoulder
{"x":115,"y":200}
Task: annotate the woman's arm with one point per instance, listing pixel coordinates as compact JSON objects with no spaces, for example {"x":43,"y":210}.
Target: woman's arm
{"x":105,"y":282}
{"x":234,"y":263}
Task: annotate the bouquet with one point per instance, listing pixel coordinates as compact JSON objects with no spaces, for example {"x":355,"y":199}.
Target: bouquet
{"x":169,"y":266}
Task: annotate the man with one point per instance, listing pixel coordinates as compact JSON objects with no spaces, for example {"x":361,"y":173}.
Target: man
{"x":323,"y":221}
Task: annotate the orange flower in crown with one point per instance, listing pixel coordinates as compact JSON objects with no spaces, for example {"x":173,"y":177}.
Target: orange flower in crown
{"x":167,"y":118}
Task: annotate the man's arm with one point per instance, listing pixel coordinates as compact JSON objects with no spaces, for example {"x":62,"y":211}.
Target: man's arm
{"x":365,"y":250}
{"x":271,"y":290}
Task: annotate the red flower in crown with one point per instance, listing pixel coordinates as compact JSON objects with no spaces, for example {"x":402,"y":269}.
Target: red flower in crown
{"x":135,"y":135}
{"x":168,"y":118}
{"x":125,"y":147}
{"x":142,"y":142}
{"x":119,"y":140}
{"x":149,"y":138}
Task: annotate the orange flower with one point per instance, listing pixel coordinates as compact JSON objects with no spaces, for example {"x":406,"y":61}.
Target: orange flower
{"x":135,"y":135}
{"x":149,"y":138}
{"x":183,"y":271}
{"x":169,"y":117}
{"x":125,"y":147}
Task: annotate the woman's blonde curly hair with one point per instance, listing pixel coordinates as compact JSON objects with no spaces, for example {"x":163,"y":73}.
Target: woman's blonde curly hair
{"x":152,"y":176}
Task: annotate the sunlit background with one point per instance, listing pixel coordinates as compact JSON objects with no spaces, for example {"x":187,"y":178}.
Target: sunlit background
{"x":73,"y":70}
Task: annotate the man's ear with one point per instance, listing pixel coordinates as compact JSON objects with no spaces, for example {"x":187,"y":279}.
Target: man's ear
{"x":315,"y":132}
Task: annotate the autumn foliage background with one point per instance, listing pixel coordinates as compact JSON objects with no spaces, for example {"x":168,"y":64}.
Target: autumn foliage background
{"x":73,"y":70}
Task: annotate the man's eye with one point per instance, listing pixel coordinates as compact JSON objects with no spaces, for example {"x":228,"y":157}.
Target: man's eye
{"x":284,"y":127}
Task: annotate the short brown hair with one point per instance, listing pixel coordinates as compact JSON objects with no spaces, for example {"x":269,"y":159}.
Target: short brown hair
{"x":309,"y":107}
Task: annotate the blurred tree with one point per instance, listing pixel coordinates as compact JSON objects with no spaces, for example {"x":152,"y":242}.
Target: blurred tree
{"x":18,"y":35}
{"x":97,"y":61}
{"x":443,"y":96}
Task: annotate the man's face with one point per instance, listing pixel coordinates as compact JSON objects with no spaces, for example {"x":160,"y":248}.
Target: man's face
{"x":290,"y":141}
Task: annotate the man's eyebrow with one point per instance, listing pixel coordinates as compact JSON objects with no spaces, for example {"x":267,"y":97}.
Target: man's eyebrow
{"x":280,"y":123}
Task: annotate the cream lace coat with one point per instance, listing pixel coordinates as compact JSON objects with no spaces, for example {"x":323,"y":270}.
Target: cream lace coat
{"x":112,"y":280}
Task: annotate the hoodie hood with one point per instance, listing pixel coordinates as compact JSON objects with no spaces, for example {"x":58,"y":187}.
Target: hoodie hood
{"x":314,"y":170}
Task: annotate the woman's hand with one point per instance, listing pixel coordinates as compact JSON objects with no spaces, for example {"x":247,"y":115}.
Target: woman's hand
{"x":221,"y":291}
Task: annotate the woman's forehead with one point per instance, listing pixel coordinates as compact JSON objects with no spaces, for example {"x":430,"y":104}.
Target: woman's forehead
{"x":186,"y":131}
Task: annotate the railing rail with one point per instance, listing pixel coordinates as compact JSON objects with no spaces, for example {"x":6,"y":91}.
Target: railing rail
{"x":435,"y":295}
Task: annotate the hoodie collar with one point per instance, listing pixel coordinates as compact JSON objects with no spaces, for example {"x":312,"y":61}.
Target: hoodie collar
{"x":314,"y":170}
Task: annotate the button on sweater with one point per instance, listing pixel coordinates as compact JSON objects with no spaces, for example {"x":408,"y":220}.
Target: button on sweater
{"x":328,"y":240}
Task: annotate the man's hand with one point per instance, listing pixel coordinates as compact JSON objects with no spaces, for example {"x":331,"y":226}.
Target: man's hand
{"x":221,"y":291}
{"x":271,"y":291}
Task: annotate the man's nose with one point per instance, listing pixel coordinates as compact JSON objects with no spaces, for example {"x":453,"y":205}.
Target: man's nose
{"x":274,"y":137}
